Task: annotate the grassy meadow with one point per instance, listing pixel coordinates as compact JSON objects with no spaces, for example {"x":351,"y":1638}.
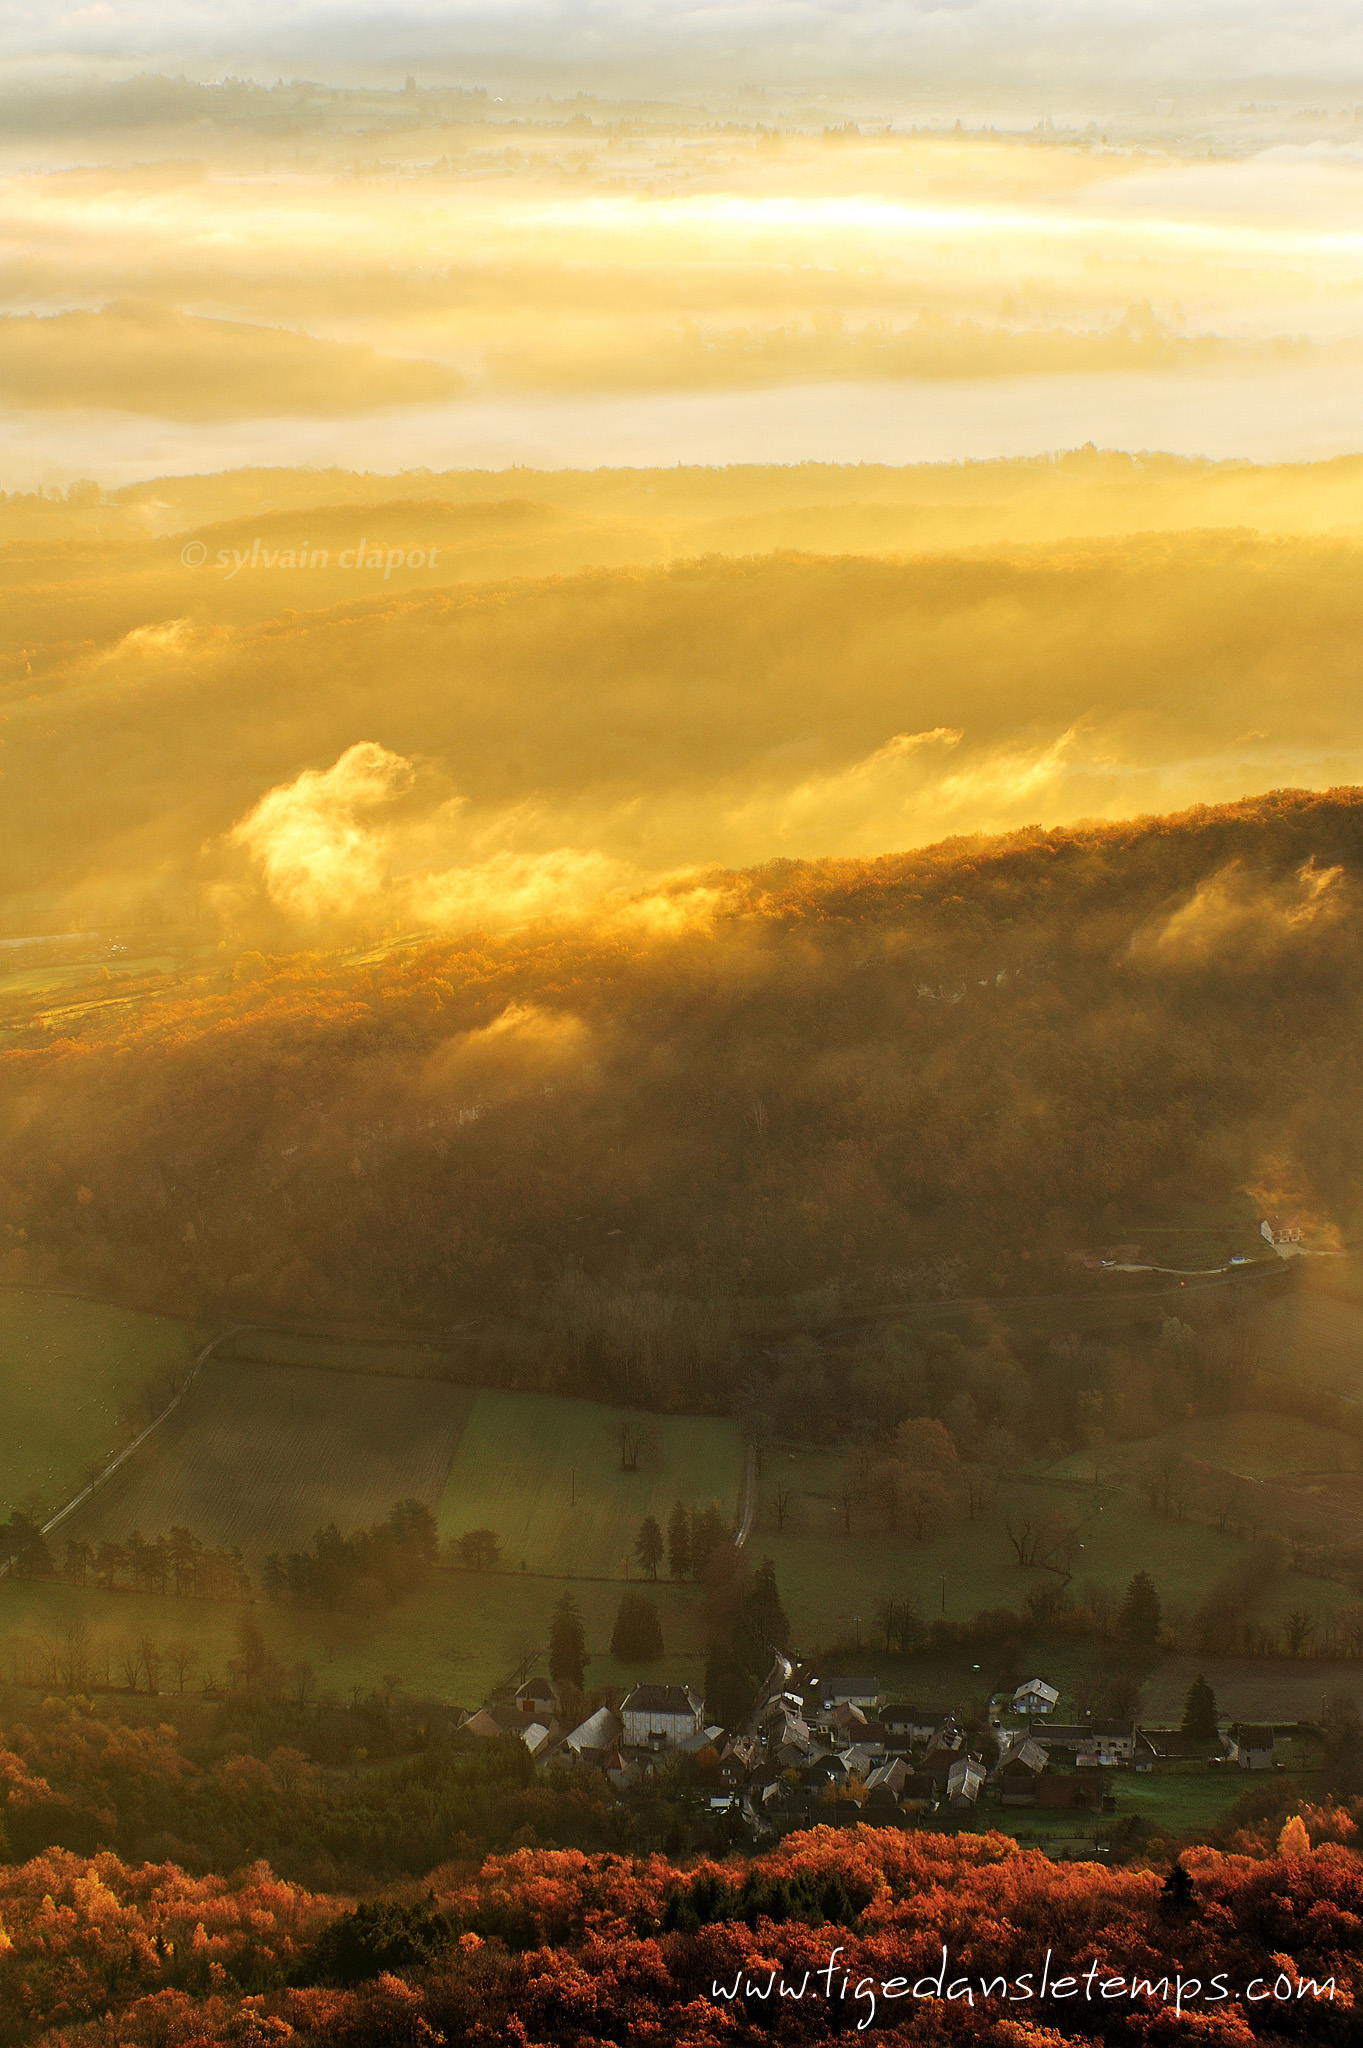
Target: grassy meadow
{"x":262,"y":1453}
{"x":76,"y":1378}
{"x":454,"y":1639}
{"x":837,"y":1580}
{"x":262,"y":1456}
{"x":545,"y":1473}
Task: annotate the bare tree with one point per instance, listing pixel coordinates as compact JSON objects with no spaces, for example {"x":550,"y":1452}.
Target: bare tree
{"x":182,"y":1658}
{"x":982,"y":1486}
{"x":149,"y":1661}
{"x":1298,"y":1630}
{"x":1043,"y":1543}
{"x":75,"y":1666}
{"x":901,"y":1625}
{"x":1166,"y":1478}
{"x":639,"y":1440}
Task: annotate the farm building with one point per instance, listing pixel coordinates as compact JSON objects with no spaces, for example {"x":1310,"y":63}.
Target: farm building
{"x":1170,"y":1744}
{"x":848,"y":1689}
{"x":1017,"y":1780}
{"x":1250,"y":1745}
{"x":964,"y":1780}
{"x":596,"y":1738}
{"x":1082,"y":1788}
{"x":946,"y":1745}
{"x":500,"y":1718}
{"x":1068,"y":1740}
{"x":538,"y":1697}
{"x":892,"y":1776}
{"x":1114,"y":1742}
{"x":708,"y":1737}
{"x":905,"y":1725}
{"x":657,"y":1716}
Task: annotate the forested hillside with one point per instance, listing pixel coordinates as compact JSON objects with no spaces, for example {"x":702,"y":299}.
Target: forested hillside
{"x":934,"y":1073}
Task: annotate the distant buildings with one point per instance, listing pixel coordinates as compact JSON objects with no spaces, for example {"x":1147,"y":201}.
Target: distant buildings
{"x":828,"y":1751}
{"x":657,"y":1715}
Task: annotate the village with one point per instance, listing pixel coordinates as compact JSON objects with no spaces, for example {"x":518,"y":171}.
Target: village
{"x":831,"y":1750}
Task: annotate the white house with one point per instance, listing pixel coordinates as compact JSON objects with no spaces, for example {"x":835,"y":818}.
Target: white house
{"x":1250,"y":1746}
{"x":848,"y":1688}
{"x":964,"y":1780}
{"x":1035,"y":1697}
{"x":658,"y":1716}
{"x":907,"y":1724}
{"x":1114,"y":1742}
{"x":538,"y":1698}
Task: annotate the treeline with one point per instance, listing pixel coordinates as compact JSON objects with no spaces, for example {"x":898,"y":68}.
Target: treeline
{"x":853,"y":1081}
{"x":178,"y":1563}
{"x":1123,"y":1631}
{"x":385,"y":1560}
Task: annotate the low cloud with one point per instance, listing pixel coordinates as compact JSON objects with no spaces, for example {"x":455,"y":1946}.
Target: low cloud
{"x":317,"y":851}
{"x":334,"y":844}
{"x":1235,"y":916}
{"x":526,"y":1044}
{"x":905,"y":793}
{"x":142,"y":357}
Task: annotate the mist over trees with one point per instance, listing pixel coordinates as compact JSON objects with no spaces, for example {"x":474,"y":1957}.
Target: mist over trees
{"x":931,"y":1074}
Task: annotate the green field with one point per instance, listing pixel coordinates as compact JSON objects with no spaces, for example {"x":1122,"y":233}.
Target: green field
{"x":73,"y":1377}
{"x":454,"y":1639}
{"x":833,"y":1582}
{"x":1314,"y":1338}
{"x":1177,"y":1800}
{"x":262,"y":1456}
{"x":545,"y":1474}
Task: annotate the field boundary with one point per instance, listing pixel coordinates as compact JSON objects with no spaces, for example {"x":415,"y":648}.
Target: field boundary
{"x":114,"y":1463}
{"x":747,"y":1499}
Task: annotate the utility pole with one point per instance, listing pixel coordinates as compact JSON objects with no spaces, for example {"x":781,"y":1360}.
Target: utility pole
{"x":944,"y":1593}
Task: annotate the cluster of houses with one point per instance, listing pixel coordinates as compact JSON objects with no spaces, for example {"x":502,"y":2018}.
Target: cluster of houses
{"x":833,"y":1749}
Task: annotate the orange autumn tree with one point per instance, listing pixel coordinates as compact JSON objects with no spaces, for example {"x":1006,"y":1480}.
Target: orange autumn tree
{"x":560,"y":1947}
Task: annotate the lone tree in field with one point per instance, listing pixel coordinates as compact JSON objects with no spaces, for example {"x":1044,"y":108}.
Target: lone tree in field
{"x":479,"y":1550}
{"x":679,"y":1543}
{"x":637,"y":1635}
{"x":638,"y":1439}
{"x":648,"y":1546}
{"x":1139,"y":1616}
{"x":1199,"y":1711}
{"x":567,"y":1643}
